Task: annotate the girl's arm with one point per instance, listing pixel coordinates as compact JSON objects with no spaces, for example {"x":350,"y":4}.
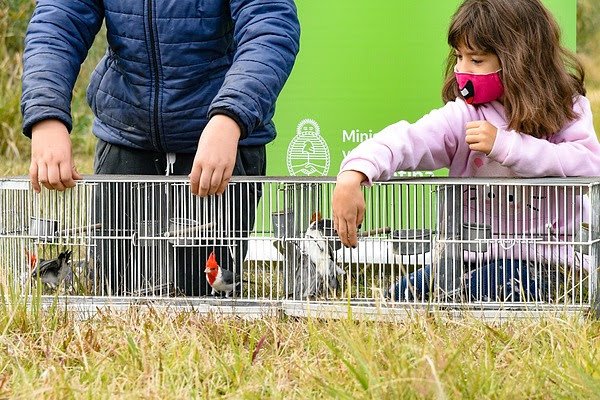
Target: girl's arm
{"x":574,"y":151}
{"x":428,"y":144}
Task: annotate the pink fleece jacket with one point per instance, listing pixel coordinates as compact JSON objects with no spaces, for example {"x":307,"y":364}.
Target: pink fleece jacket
{"x":437,"y":140}
{"x":534,"y":214}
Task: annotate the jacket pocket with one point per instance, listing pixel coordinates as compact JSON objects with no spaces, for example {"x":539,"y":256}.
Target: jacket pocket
{"x":251,"y":161}
{"x":96,"y":81}
{"x":102,"y":150}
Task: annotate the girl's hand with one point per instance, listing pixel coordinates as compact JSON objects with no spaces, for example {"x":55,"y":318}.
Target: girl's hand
{"x":51,"y":157}
{"x":348,"y":206}
{"x":480,"y":136}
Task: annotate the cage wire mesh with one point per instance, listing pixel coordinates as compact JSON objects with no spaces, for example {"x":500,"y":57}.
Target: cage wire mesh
{"x":499,"y":243}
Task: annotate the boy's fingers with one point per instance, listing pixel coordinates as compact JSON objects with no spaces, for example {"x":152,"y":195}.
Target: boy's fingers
{"x":195,"y":179}
{"x":66,"y":175}
{"x":341,"y":231}
{"x":204,"y":182}
{"x":33,"y":177}
{"x":215,"y":181}
{"x":76,"y":175}
{"x":54,"y":178}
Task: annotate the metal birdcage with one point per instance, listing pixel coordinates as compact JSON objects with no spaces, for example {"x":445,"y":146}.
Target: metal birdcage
{"x":494,"y":244}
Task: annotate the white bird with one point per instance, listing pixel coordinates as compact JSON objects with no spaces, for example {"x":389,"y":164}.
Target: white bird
{"x":318,"y":258}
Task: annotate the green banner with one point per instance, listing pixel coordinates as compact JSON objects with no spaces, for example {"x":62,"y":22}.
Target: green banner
{"x":361,"y":68}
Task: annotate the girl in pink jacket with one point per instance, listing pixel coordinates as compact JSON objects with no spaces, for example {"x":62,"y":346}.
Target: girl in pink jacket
{"x":514,"y":107}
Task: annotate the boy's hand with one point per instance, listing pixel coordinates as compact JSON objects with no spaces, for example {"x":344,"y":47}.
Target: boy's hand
{"x":51,"y":157}
{"x":215,"y":157}
{"x":480,"y":136}
{"x":348,"y":206}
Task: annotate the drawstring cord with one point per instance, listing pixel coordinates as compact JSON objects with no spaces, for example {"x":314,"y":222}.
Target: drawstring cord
{"x":171,"y":157}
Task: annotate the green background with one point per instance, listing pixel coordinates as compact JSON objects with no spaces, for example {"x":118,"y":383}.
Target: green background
{"x":362,"y":67}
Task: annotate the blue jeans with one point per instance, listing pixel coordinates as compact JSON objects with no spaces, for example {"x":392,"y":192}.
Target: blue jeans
{"x":505,"y":280}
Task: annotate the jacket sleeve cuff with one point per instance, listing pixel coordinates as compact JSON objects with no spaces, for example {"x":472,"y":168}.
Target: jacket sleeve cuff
{"x":233,"y":116}
{"x":502,"y":146}
{"x":30,"y":121}
{"x":362,"y":166}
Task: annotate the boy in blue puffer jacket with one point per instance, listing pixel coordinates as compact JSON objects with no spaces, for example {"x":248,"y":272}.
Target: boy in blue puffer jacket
{"x":186,"y":85}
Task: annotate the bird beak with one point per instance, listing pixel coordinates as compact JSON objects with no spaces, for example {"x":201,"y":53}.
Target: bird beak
{"x":207,"y":271}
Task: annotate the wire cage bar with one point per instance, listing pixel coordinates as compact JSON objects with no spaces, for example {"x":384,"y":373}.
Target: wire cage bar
{"x":495,"y":243}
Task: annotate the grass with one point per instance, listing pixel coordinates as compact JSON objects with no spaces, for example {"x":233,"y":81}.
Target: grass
{"x":148,"y":353}
{"x":12,"y":141}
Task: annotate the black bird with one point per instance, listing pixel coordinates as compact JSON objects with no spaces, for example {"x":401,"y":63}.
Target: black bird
{"x":53,"y":272}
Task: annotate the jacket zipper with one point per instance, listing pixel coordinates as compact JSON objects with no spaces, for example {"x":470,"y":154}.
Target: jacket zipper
{"x":155,"y":134}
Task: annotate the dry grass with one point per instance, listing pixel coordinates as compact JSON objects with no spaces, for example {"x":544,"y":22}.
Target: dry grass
{"x":11,"y":140}
{"x":145,"y":353}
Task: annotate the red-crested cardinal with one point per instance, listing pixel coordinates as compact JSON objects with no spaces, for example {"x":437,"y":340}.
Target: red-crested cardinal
{"x":52,"y":272}
{"x":220,"y":280}
{"x":32,"y":259}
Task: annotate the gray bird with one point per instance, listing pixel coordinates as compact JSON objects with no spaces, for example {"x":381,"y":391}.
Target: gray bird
{"x":53,"y":272}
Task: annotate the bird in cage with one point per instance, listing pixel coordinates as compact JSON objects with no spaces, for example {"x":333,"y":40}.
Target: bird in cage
{"x":220,"y":280}
{"x":52,"y":272}
{"x":318,"y":258}
{"x":32,"y":258}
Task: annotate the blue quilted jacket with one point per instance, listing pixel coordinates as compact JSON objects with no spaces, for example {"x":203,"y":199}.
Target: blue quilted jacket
{"x":170,"y":65}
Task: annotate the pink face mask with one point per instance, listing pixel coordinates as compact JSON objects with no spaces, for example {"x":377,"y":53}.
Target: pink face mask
{"x":479,"y":88}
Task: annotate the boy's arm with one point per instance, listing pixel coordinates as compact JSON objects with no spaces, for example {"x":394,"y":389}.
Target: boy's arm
{"x":267,"y":34}
{"x":58,"y":38}
{"x":51,"y":157}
